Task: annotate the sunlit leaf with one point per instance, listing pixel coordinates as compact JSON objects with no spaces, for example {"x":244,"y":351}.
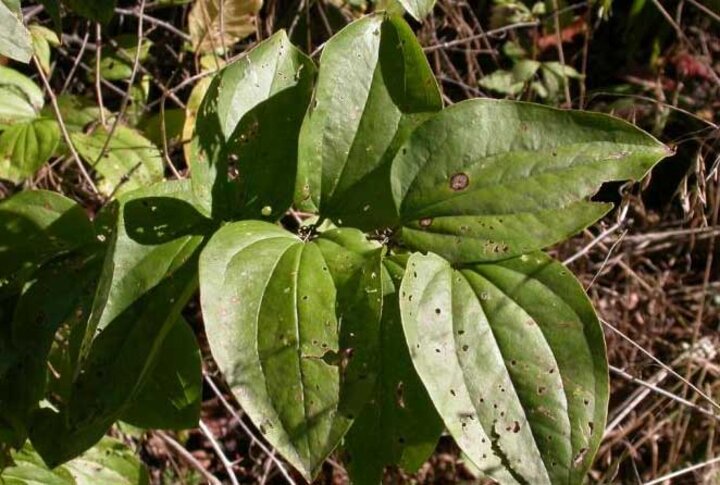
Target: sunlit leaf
{"x":25,"y":147}
{"x":15,"y":41}
{"x":513,"y":357}
{"x":129,"y":161}
{"x":374,"y":87}
{"x":486,"y":180}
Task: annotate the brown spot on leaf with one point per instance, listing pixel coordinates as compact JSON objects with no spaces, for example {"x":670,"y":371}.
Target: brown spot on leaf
{"x":459,"y":181}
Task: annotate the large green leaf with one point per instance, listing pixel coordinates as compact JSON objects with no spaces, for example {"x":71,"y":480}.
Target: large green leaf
{"x":419,"y":9}
{"x":399,"y":425}
{"x":36,"y":226}
{"x":251,"y":115}
{"x":44,"y":305}
{"x":487,"y":180}
{"x":130,"y":161}
{"x":25,"y":147}
{"x":15,"y":40}
{"x":513,"y":357}
{"x":172,"y":393}
{"x":20,"y":98}
{"x":269,"y":304}
{"x":142,"y":289}
{"x":356,"y":267}
{"x":374,"y":87}
{"x":98,"y":10}
{"x":111,"y":462}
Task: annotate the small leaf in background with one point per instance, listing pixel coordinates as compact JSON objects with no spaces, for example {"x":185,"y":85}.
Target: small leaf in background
{"x":117,"y":63}
{"x":110,"y":462}
{"x":511,"y":82}
{"x":486,"y":180}
{"x":77,"y":112}
{"x":25,"y":147}
{"x":530,"y":413}
{"x":42,"y":39}
{"x":152,"y":126}
{"x":419,"y":9}
{"x":15,"y":41}
{"x":129,"y":162}
{"x":98,"y":10}
{"x":204,"y":23}
{"x":192,"y":108}
{"x":20,"y":98}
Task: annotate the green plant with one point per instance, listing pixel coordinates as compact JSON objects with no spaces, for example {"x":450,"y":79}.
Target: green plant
{"x":418,"y":299}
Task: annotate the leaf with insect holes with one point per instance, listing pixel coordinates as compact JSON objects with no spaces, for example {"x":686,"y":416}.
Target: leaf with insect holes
{"x":251,"y":117}
{"x":529,"y":413}
{"x":486,"y":180}
{"x":374,"y":87}
{"x":399,"y":425}
{"x":272,"y":309}
{"x":129,"y":162}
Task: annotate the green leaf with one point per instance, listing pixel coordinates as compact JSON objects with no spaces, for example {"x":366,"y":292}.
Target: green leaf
{"x":374,"y":87}
{"x":419,"y":9}
{"x":25,"y":147}
{"x":487,"y":180}
{"x":141,"y":291}
{"x":172,"y":393}
{"x":98,"y":10}
{"x":152,"y":126}
{"x":130,"y":161}
{"x":269,"y":305}
{"x":45,"y":304}
{"x":355,"y":265}
{"x":511,"y":82}
{"x":513,"y":357}
{"x":251,"y":115}
{"x":399,"y":425}
{"x":20,"y":98}
{"x":77,"y":112}
{"x":42,"y":39}
{"x":15,"y":40}
{"x":35,"y":226}
{"x":117,"y":63}
{"x":111,"y":462}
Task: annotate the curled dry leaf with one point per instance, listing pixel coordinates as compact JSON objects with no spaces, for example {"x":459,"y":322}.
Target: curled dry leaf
{"x":213,"y":28}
